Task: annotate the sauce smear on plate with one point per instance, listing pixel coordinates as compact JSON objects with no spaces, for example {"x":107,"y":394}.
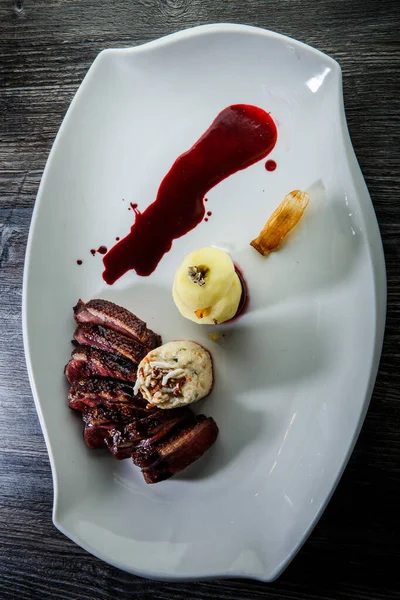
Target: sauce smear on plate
{"x":244,"y":298}
{"x":238,"y":137}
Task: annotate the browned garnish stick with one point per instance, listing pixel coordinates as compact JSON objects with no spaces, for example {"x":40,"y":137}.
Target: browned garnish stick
{"x":281,"y":222}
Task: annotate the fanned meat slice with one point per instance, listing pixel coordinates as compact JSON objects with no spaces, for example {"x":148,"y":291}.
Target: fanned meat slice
{"x":197,"y":441}
{"x":153,"y":428}
{"x":91,"y":362}
{"x":119,"y":414}
{"x":147,"y":455}
{"x":161,"y":461}
{"x":164,"y":429}
{"x":103,"y":424}
{"x":140,"y":429}
{"x":109,"y":340}
{"x":95,"y":437}
{"x":104,"y":312}
{"x":118,"y":446}
{"x":107,"y":392}
{"x":99,"y":424}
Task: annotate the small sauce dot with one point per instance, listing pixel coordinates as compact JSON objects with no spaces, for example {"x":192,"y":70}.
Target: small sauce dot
{"x":209,"y":213}
{"x":102,"y":250}
{"x":117,"y":239}
{"x":205,"y":199}
{"x":270,"y":165}
{"x":78,"y":262}
{"x":93,"y":252}
{"x":206,"y":219}
{"x":133,"y":205}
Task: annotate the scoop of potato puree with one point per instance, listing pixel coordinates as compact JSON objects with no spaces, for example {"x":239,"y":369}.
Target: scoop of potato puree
{"x":206,"y":288}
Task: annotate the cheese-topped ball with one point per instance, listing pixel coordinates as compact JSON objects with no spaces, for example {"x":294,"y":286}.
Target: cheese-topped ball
{"x":175,"y":374}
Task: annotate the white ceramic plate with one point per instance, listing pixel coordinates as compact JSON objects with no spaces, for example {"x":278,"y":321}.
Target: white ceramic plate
{"x":293,"y":376}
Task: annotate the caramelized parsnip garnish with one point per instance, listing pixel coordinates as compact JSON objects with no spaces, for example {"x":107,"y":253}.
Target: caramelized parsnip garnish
{"x":281,"y":222}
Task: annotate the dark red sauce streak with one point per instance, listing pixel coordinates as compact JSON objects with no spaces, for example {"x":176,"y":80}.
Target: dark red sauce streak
{"x":270,"y":165}
{"x":239,"y":136}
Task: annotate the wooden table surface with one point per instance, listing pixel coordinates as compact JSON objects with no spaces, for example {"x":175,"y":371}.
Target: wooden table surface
{"x":46,"y":48}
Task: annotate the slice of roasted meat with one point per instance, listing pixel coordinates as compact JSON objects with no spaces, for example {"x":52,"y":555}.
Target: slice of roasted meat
{"x":105,"y":392}
{"x":161,"y":461}
{"x":104,"y":312}
{"x":104,"y":424}
{"x":99,"y":424}
{"x":109,"y":340}
{"x":121,"y":428}
{"x":123,"y":441}
{"x":91,"y":362}
{"x":148,"y":426}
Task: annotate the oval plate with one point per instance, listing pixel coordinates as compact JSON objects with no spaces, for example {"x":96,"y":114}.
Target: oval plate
{"x":294,"y":375}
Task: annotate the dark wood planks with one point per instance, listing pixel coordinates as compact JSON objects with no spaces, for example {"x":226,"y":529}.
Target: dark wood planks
{"x":46,"y":47}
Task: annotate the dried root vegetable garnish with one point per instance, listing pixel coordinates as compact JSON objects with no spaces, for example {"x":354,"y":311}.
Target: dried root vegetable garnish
{"x":281,"y":222}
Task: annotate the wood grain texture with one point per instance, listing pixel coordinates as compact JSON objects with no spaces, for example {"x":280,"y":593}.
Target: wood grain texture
{"x":46,"y":47}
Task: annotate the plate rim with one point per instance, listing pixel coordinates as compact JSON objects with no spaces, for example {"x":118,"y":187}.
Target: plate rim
{"x":375,"y":253}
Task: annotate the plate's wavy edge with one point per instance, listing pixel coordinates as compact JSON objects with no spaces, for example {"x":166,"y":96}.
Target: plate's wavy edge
{"x":377,"y":258}
{"x":376,"y":255}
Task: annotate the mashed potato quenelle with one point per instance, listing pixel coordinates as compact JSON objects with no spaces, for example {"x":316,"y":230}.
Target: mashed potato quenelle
{"x":175,"y":374}
{"x":207,"y":289}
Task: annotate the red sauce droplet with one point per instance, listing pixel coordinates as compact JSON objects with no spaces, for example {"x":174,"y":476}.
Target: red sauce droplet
{"x":209,"y":213}
{"x":78,"y":262}
{"x":206,"y":219}
{"x":117,"y":238}
{"x":205,"y":199}
{"x":133,"y":205}
{"x":102,"y":249}
{"x":93,"y":251}
{"x":238,"y":137}
{"x":270,"y":165}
